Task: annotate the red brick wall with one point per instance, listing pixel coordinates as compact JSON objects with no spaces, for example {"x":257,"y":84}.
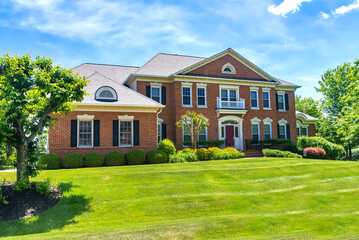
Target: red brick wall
{"x":59,"y":137}
{"x":215,"y":68}
{"x":311,"y":130}
{"x":174,"y":110}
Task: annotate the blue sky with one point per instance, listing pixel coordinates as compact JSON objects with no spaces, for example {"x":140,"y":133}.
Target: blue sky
{"x":295,"y":40}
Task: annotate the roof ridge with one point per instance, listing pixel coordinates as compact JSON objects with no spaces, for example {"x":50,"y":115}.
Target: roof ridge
{"x":182,"y":55}
{"x":104,"y":64}
{"x":96,"y":72}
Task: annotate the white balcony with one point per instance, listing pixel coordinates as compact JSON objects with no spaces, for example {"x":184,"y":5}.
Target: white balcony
{"x":233,"y":105}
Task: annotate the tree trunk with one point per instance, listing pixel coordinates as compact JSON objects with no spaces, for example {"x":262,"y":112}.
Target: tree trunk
{"x":21,"y":164}
{"x":350,"y":152}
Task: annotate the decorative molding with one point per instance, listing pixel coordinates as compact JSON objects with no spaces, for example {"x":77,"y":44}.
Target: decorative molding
{"x":228,"y":87}
{"x":255,"y":120}
{"x":254,"y":88}
{"x":155,"y":84}
{"x":186,"y":84}
{"x":282,"y":121}
{"x":265,"y":89}
{"x":229,"y":66}
{"x":281,"y":92}
{"x":125,"y":117}
{"x":267,"y":120}
{"x":85,"y":117}
{"x":202,"y":85}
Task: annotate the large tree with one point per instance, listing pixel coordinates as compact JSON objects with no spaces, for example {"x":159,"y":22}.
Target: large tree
{"x":308,"y":106}
{"x":340,"y":89}
{"x":194,"y":123}
{"x":30,"y":90}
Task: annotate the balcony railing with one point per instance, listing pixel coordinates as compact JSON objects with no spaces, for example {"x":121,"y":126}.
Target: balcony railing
{"x":239,"y":104}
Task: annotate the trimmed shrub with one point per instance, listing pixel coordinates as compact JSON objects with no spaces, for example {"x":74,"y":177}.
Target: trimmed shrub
{"x":94,"y":160}
{"x":210,"y":143}
{"x":316,"y":153}
{"x":115,"y":159}
{"x":203,"y":154}
{"x":50,"y":161}
{"x":156,"y":156}
{"x":289,"y":146}
{"x":223,"y":155}
{"x":279,"y":153}
{"x":186,"y":150}
{"x":167,"y":146}
{"x":334,"y":151}
{"x":135,"y":157}
{"x":73,"y":160}
{"x":183,"y":157}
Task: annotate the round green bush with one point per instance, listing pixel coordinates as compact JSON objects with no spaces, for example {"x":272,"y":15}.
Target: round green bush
{"x":73,"y":160}
{"x":156,"y":156}
{"x":93,"y":160}
{"x":115,"y":159}
{"x":50,"y":161}
{"x":135,"y":158}
{"x":203,"y":154}
{"x":167,"y":146}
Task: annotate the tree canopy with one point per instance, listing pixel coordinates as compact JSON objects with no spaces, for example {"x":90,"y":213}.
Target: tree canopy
{"x":308,"y":106}
{"x":31,"y":90}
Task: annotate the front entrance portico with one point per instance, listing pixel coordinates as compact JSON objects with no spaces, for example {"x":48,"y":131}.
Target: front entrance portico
{"x":231,"y":131}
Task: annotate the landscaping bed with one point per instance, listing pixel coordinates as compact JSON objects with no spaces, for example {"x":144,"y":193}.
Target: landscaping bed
{"x":26,"y":204}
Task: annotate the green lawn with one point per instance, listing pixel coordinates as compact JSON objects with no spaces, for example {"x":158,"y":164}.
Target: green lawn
{"x":247,"y":198}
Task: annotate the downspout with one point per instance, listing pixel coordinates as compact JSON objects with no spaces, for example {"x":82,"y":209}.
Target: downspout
{"x":157,"y":123}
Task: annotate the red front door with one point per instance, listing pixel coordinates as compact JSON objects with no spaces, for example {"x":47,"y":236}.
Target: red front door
{"x":229,"y":136}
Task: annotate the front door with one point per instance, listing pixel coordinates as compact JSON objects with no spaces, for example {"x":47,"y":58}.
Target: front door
{"x":230,"y":136}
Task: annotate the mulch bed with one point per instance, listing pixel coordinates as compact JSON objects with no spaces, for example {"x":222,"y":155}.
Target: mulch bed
{"x":26,"y":204}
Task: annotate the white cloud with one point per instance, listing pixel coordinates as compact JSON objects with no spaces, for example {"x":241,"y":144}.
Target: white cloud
{"x":287,"y":6}
{"x":344,"y":9}
{"x":311,"y":79}
{"x":104,"y":21}
{"x":324,"y":15}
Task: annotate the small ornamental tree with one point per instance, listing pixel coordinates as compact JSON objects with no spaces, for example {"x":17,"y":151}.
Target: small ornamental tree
{"x":30,"y":90}
{"x":193,"y":123}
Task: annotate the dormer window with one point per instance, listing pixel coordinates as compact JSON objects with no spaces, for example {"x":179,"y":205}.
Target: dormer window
{"x":106,"y":94}
{"x":228,"y":68}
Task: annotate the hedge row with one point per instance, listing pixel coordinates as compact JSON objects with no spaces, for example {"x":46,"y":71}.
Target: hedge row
{"x":334,"y":151}
{"x":75,"y":160}
{"x":280,"y":154}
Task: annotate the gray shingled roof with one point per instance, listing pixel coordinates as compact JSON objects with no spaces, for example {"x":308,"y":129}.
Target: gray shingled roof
{"x":308,"y":117}
{"x":166,"y":64}
{"x":115,"y":72}
{"x":285,"y":83}
{"x":126,"y":96}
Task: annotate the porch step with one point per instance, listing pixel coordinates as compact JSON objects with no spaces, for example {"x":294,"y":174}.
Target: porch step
{"x":253,"y":153}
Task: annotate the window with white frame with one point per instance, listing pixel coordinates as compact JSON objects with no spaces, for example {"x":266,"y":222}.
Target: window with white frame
{"x":156,"y":94}
{"x":186,"y":96}
{"x":126,"y":133}
{"x":186,"y":133}
{"x":228,"y":68}
{"x":305,"y":131}
{"x":281,"y":102}
{"x":266,"y":100}
{"x":106,"y":94}
{"x":255,"y":132}
{"x":202,"y":136}
{"x":254,"y":99}
{"x":201,"y":97}
{"x":298,"y":131}
{"x":229,"y":97}
{"x":85,"y":133}
{"x":267,"y":129}
{"x":282,"y":131}
{"x":159,"y":132}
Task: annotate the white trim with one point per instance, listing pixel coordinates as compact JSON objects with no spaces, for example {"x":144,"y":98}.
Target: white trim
{"x":282,"y":121}
{"x":160,"y":120}
{"x":121,"y":105}
{"x":281,"y":109}
{"x":270,"y":129}
{"x":190,"y":93}
{"x":239,"y":125}
{"x":230,"y":66}
{"x":229,"y":87}
{"x":126,"y":117}
{"x":285,"y":129}
{"x":155,"y":84}
{"x":255,"y":120}
{"x":267,"y":120}
{"x":101,"y":89}
{"x":159,"y":91}
{"x":266,"y":89}
{"x":205,"y":96}
{"x":159,"y":124}
{"x":254,"y":89}
{"x":269,"y":105}
{"x":259,"y":130}
{"x":78,"y":133}
{"x":280,"y":92}
{"x":85,"y":117}
{"x":201,"y":84}
{"x":186,"y":84}
{"x":119,"y":131}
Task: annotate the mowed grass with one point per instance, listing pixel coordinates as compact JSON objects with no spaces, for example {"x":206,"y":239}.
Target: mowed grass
{"x":248,"y":198}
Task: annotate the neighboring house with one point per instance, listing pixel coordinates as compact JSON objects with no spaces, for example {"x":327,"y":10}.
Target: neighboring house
{"x":305,"y":124}
{"x":132,"y":108}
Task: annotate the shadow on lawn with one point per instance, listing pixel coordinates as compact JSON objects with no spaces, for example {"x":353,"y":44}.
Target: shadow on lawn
{"x":55,"y":218}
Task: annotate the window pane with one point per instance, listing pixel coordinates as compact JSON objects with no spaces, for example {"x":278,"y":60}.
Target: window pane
{"x":267,"y":131}
{"x":155,"y":94}
{"x":266,"y":99}
{"x":85,"y":133}
{"x":186,"y":95}
{"x":305,"y":131}
{"x":255,"y":132}
{"x":281,"y":131}
{"x":224,"y":95}
{"x":201,"y":99}
{"x":298,"y":131}
{"x":200,"y":92}
{"x":125,"y":133}
{"x":159,"y":132}
{"x":233,"y":95}
{"x":254,"y":98}
{"x":106,"y":94}
{"x":280,"y":102}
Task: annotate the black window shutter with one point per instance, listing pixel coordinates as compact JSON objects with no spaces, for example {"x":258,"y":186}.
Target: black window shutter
{"x":286,"y":102}
{"x":164,"y":130}
{"x":96,"y":133}
{"x":115,"y":133}
{"x":163,"y":93}
{"x":288,"y":131}
{"x":148,"y":91}
{"x":73,"y":133}
{"x":278,"y":136}
{"x":276,"y":100}
{"x":136,"y":133}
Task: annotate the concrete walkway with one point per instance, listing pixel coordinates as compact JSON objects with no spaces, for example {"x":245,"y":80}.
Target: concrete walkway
{"x":11,"y":170}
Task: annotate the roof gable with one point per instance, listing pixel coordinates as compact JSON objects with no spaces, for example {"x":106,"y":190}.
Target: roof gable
{"x":212,"y":66}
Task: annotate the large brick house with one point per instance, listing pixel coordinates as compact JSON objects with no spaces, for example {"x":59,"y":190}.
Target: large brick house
{"x":132,"y":108}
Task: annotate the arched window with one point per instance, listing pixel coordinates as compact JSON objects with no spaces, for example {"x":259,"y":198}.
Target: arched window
{"x":228,"y":68}
{"x":106,"y":94}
